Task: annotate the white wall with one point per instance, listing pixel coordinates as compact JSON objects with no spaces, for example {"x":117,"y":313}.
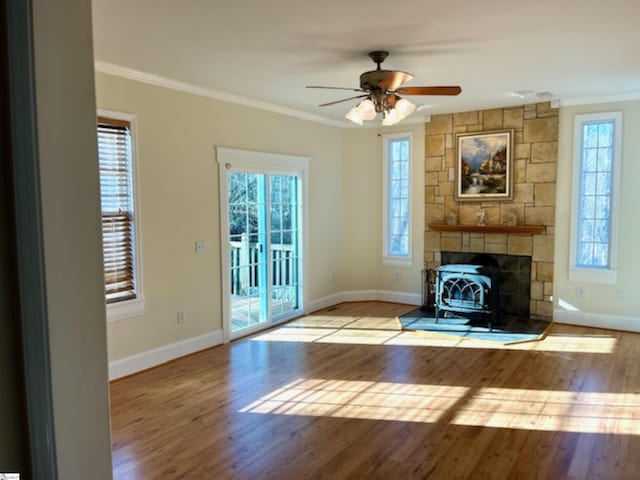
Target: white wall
{"x":179,"y":203}
{"x":362,"y":157}
{"x":362,"y":184}
{"x":65,"y":104}
{"x":600,"y":302}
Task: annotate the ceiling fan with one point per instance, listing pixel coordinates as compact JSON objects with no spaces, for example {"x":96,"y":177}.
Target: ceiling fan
{"x":382,"y":90}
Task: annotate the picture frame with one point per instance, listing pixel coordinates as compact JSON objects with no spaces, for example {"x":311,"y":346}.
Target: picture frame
{"x":484,"y":166}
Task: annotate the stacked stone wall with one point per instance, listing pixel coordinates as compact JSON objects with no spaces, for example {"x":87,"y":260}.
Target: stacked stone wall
{"x":535,"y":156}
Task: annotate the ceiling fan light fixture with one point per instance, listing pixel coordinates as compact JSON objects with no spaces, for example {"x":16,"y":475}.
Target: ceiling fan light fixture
{"x":366,"y":110}
{"x":353,"y":116}
{"x":404,"y":108}
{"x":391,"y":117}
{"x":381,"y":90}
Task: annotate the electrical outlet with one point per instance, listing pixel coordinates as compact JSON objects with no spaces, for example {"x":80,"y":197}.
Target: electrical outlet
{"x":201,"y":247}
{"x":397,"y":276}
{"x":579,"y":292}
{"x":181,"y":318}
{"x":620,"y":295}
{"x":333,"y":278}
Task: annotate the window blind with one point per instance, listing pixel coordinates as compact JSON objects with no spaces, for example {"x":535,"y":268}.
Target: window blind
{"x":116,"y":192}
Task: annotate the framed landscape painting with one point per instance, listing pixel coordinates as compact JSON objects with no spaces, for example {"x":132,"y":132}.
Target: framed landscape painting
{"x":484,"y":166}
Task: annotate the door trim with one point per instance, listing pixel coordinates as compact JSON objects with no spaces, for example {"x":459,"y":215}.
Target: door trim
{"x":29,"y":240}
{"x":264,"y":163}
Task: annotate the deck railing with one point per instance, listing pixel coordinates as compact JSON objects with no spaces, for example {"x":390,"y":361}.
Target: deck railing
{"x":244,"y":258}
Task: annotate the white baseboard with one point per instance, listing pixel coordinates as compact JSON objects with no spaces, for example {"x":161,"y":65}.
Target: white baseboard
{"x":364,"y":296}
{"x":360,"y":296}
{"x":400,"y":297}
{"x":324,"y":302}
{"x":597,"y":320}
{"x":157,"y":356}
{"x":151,"y":358}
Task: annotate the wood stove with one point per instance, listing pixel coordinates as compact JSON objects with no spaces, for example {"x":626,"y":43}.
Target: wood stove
{"x":467,"y":290}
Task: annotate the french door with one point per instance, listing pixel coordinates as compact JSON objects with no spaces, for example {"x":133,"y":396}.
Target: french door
{"x":262,"y":236}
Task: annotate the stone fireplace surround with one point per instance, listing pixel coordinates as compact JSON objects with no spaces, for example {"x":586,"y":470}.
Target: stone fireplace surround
{"x":535,"y":164}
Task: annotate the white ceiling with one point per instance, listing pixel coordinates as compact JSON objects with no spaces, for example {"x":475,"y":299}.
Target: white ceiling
{"x":269,"y":50}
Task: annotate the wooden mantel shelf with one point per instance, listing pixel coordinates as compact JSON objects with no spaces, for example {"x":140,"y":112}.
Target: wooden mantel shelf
{"x":521,"y":229}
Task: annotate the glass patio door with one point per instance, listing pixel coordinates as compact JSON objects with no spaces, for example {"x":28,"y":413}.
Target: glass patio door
{"x":247,"y":250}
{"x":285,"y":236}
{"x":264,"y":249}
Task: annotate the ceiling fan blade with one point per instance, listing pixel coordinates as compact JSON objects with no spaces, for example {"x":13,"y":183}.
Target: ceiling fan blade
{"x":452,"y":90}
{"x":337,"y":88}
{"x":394,"y":78}
{"x":343,"y":100}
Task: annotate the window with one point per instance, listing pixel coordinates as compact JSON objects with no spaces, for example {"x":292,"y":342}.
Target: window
{"x":119,"y":236}
{"x":598,"y":141}
{"x":397,"y":199}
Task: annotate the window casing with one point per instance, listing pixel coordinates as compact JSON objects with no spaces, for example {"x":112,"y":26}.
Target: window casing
{"x":596,"y":191}
{"x":397,"y":199}
{"x":119,"y":215}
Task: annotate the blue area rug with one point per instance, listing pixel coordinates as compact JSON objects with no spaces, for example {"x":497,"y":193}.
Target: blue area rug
{"x":506,"y":330}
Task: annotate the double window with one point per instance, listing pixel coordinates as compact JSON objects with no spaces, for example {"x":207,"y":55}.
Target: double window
{"x":119,"y":237}
{"x":397,"y":199}
{"x":595,"y":197}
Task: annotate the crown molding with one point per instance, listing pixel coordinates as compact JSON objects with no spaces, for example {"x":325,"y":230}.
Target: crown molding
{"x":170,"y":83}
{"x":160,"y":81}
{"x":624,"y":97}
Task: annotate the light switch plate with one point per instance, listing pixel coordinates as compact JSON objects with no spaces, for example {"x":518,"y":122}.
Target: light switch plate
{"x":201,"y":247}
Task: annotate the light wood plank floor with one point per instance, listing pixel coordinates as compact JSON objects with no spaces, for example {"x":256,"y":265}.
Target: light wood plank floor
{"x":344,"y":393}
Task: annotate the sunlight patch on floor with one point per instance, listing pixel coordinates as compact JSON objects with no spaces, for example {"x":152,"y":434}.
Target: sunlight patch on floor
{"x":577,"y":343}
{"x":551,"y":410}
{"x":425,"y":339}
{"x":321,"y":321}
{"x":359,"y":400}
{"x":299,"y":334}
{"x":359,"y":337}
{"x":377,"y":323}
{"x":387,"y":331}
{"x":523,"y":409}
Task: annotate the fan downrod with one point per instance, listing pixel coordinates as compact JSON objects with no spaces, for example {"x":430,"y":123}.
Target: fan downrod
{"x":378,"y":56}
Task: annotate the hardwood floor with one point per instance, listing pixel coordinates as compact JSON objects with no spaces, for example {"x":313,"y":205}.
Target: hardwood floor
{"x":344,"y":393}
